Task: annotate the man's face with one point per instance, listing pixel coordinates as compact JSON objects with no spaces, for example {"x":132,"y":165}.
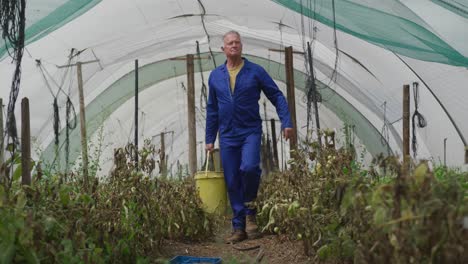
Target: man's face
{"x":232,"y":45}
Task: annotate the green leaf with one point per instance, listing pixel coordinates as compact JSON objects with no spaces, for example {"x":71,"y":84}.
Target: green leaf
{"x":86,"y":199}
{"x":347,"y":248}
{"x":7,"y":252}
{"x":380,"y":216}
{"x":30,"y":255}
{"x":271,"y":218}
{"x":142,"y":260}
{"x":20,"y":201}
{"x":98,"y":251}
{"x":17,"y":173}
{"x":420,"y":172}
{"x":183,"y":216}
{"x":49,"y":225}
{"x":64,"y":196}
{"x":345,"y":170}
{"x":324,"y":252}
{"x":292,"y":208}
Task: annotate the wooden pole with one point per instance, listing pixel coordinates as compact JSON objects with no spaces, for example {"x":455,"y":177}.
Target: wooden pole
{"x":267,"y":153}
{"x":84,"y":143}
{"x":25,"y":143}
{"x":294,"y":51}
{"x":290,"y":93}
{"x":282,"y":154}
{"x":406,"y":129}
{"x":192,"y":166}
{"x":399,"y":184}
{"x":466,"y":154}
{"x":162,"y":156}
{"x":445,"y":152}
{"x":76,"y":64}
{"x":275,"y":147}
{"x":2,"y":135}
{"x":136,"y":114}
{"x":263,"y":156}
{"x":192,"y":133}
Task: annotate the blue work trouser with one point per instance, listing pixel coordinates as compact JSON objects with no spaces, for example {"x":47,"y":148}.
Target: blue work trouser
{"x":241,"y":164}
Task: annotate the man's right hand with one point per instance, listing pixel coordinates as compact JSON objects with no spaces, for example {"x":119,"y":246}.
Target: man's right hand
{"x":209,"y":147}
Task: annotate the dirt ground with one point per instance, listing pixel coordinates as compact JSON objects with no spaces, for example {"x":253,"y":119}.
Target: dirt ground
{"x":267,"y":249}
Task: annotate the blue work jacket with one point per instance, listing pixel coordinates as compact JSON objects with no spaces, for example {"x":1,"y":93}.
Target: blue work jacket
{"x":236,"y":114}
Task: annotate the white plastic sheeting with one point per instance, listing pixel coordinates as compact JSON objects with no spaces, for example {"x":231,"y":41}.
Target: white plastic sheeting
{"x":117,"y":32}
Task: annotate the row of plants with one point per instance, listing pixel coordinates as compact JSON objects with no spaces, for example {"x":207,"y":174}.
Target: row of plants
{"x":344,"y":213}
{"x":122,"y":219}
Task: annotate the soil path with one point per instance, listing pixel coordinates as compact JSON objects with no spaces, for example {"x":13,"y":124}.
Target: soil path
{"x":267,"y":249}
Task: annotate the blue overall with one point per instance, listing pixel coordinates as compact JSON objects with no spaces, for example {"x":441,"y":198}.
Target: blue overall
{"x":236,"y":116}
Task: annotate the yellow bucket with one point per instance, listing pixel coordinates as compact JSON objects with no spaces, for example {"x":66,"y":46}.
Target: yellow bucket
{"x":212,"y":190}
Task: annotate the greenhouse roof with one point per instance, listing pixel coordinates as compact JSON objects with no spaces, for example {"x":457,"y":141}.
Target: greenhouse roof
{"x":363,"y":53}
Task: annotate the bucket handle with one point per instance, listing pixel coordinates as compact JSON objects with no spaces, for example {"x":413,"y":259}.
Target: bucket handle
{"x":207,"y":161}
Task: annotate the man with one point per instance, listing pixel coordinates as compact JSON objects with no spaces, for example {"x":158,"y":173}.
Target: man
{"x":233,"y":110}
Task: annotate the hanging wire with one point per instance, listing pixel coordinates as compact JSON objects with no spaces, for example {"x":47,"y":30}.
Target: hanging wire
{"x":69,"y":105}
{"x":47,"y":76}
{"x":334,"y":73}
{"x":335,"y":43}
{"x":56,"y":122}
{"x":178,"y":95}
{"x":306,"y":66}
{"x":281,"y":47}
{"x":203,"y":95}
{"x":206,"y":31}
{"x":70,"y":115}
{"x":421,"y":122}
{"x":311,"y":93}
{"x":385,"y":134}
{"x":13,"y":23}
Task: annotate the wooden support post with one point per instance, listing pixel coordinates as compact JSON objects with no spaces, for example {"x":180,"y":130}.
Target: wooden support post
{"x":466,"y":154}
{"x":400,"y":180}
{"x":2,"y":134}
{"x":136,"y":114}
{"x":274,"y":142}
{"x":191,"y":115}
{"x":162,"y":156}
{"x":192,"y":166}
{"x":291,"y":94}
{"x":25,"y":143}
{"x":268,"y":158}
{"x":263,"y":154}
{"x":267,"y":153}
{"x":294,"y":51}
{"x":445,"y":152}
{"x":84,"y":142}
{"x":406,"y":129}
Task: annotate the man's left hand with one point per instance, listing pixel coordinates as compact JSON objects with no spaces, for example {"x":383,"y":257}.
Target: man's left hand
{"x":288,"y":133}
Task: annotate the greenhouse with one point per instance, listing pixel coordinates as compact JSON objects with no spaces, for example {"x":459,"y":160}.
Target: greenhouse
{"x":106,"y":122}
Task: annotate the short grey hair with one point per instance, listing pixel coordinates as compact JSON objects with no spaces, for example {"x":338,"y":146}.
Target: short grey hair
{"x":231,"y":32}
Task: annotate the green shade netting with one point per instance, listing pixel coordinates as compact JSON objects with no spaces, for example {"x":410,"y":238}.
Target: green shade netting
{"x":387,"y":23}
{"x":44,"y":16}
{"x":459,"y":7}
